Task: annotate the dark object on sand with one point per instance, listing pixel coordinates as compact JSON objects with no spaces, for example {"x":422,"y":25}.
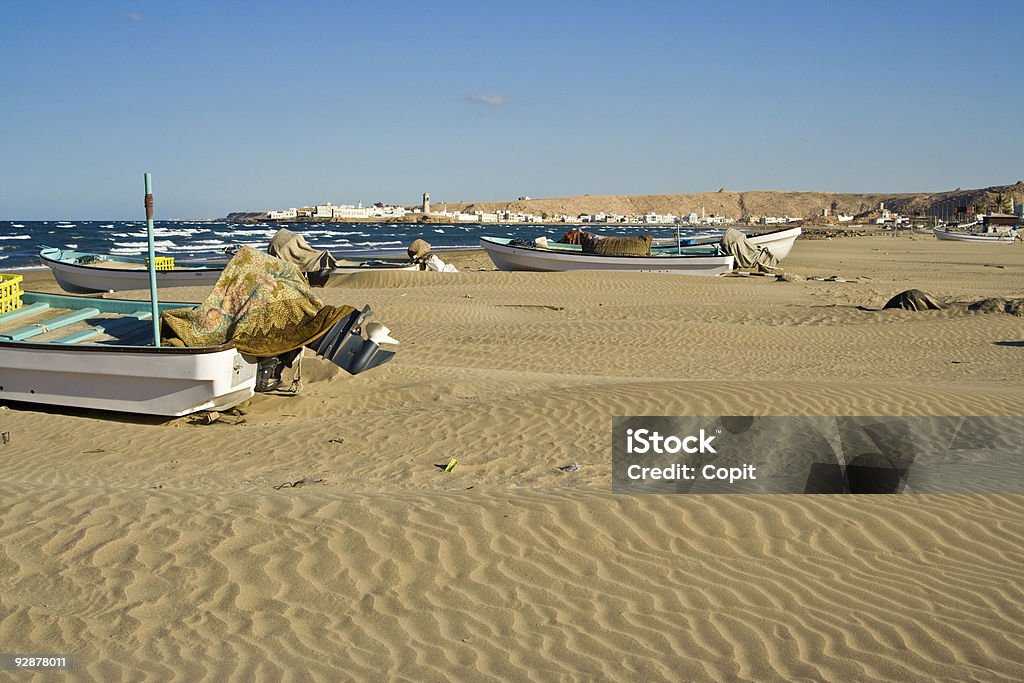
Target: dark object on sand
{"x":913,"y":300}
{"x":999,"y":305}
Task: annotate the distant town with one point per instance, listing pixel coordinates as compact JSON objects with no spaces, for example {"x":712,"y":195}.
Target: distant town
{"x":997,"y":204}
{"x":349,"y":212}
{"x":390,"y":212}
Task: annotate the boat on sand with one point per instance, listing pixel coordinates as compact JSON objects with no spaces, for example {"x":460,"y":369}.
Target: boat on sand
{"x":87,"y":352}
{"x":81,"y":272}
{"x":508,"y":254}
{"x":1007,"y":236}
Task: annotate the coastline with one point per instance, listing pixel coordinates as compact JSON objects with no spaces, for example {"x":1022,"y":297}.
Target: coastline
{"x":167,"y":547}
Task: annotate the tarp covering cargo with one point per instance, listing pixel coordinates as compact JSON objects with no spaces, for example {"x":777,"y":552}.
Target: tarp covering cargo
{"x":293,"y":248}
{"x":261,"y":303}
{"x":747,"y":255}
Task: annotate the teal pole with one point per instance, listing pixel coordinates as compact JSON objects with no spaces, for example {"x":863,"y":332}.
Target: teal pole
{"x":154,"y":301}
{"x":679,"y":246}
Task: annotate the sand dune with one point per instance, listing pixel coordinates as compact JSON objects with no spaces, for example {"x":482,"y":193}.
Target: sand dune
{"x":313,"y":537}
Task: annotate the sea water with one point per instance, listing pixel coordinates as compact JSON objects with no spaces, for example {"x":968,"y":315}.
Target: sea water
{"x":21,"y":241}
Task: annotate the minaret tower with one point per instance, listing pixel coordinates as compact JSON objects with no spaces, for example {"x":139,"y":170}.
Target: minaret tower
{"x":426,"y":203}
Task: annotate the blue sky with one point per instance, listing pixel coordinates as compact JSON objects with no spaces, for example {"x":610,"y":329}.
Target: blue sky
{"x":258,"y":105}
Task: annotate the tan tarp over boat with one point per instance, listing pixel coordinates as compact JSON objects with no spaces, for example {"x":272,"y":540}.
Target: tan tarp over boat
{"x":293,"y":248}
{"x":747,"y":255}
{"x":260,"y":303}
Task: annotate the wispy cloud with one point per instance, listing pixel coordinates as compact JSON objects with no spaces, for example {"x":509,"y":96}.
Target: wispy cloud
{"x":133,"y":17}
{"x":489,"y":100}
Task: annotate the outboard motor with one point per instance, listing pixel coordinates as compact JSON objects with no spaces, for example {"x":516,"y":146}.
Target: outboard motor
{"x":345,"y":346}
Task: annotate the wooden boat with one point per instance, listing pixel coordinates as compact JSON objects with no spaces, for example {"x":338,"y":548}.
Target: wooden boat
{"x":92,"y":353}
{"x":956,"y":236}
{"x":507,"y":256}
{"x":778,"y":242}
{"x":82,"y":273}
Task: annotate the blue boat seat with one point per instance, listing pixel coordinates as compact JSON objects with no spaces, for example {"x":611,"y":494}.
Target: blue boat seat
{"x":24,"y":310}
{"x":81,"y":336}
{"x":54,"y":323}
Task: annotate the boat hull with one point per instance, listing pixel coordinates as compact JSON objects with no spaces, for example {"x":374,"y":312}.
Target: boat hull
{"x":953,"y":236}
{"x":85,"y":279}
{"x":89,"y":279}
{"x":148,"y":381}
{"x":508,"y":257}
{"x":104,"y":363}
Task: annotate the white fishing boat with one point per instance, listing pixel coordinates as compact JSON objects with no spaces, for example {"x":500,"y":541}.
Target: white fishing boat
{"x":82,"y":273}
{"x":87,"y":352}
{"x":519,"y":256}
{"x":1007,"y":236}
{"x":97,"y":353}
{"x":90,"y":352}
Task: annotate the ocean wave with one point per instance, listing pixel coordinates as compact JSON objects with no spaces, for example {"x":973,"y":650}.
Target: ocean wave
{"x":16,"y":237}
{"x":17,"y":225}
{"x":246,"y":233}
{"x":165,"y":244}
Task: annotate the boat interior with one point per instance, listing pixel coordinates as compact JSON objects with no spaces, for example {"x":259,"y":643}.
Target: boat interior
{"x":56,"y":320}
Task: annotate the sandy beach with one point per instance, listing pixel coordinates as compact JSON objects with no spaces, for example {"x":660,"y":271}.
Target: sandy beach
{"x":314,"y":536}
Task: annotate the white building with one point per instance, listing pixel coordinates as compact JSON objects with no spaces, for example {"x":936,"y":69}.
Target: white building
{"x":350,"y":212}
{"x":283,"y":215}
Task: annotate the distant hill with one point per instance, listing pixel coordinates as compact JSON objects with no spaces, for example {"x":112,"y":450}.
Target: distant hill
{"x":805,"y":205}
{"x":755,"y":203}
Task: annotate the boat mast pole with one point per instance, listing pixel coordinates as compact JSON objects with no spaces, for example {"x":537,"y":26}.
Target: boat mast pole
{"x":154,"y":301}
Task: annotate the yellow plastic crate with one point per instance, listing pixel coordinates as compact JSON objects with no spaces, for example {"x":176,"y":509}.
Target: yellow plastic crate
{"x":163,"y":263}
{"x":10,"y":292}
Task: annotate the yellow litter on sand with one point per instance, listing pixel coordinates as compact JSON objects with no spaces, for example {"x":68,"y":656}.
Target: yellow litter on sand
{"x":451,"y":465}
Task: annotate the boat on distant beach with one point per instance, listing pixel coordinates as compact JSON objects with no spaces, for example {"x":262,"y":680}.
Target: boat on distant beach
{"x":82,"y":273}
{"x":1007,"y":236}
{"x":88,"y":352}
{"x":509,"y":254}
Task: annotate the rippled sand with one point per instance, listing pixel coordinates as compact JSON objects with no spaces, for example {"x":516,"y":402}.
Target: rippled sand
{"x":173,"y":550}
